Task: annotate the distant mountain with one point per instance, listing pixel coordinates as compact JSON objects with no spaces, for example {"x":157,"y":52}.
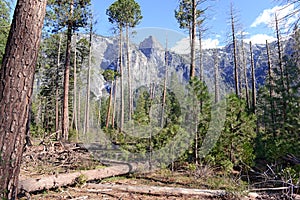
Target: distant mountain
{"x":149,"y":57}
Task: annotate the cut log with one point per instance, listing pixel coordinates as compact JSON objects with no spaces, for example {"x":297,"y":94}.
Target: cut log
{"x":155,"y":190}
{"x":59,"y":180}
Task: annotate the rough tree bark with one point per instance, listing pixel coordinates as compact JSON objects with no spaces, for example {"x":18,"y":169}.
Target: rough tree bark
{"x":16,"y":81}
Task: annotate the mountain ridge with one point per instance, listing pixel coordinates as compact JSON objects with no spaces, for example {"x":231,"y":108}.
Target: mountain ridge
{"x":148,"y":62}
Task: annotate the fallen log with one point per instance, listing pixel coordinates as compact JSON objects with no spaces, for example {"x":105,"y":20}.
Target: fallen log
{"x":59,"y":180}
{"x":155,"y":190}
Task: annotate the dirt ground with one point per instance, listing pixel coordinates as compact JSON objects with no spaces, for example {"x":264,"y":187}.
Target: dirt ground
{"x":56,"y":158}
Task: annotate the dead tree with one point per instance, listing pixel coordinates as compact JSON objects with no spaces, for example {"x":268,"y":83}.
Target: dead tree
{"x":253,"y":80}
{"x":234,"y":43}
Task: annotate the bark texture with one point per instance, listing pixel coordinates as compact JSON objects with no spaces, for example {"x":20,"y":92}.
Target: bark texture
{"x":16,"y":80}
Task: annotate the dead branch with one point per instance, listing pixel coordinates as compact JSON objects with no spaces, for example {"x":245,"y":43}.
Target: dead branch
{"x":268,"y":189}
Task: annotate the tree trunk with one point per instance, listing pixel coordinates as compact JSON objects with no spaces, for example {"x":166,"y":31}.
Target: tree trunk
{"x":280,"y":63}
{"x":79,"y":108}
{"x":87,"y":105}
{"x":99,"y":113}
{"x":200,"y":55}
{"x":161,"y":191}
{"x":121,"y":81}
{"x":75,"y":87}
{"x":271,"y":93}
{"x":108,"y":114}
{"x":245,"y":75}
{"x":114,"y":104}
{"x":162,"y":118}
{"x":130,"y":100}
{"x":65,"y":120}
{"x":59,"y":180}
{"x":236,"y":75}
{"x":253,"y":80}
{"x":217,"y":85}
{"x":193,"y":40}
{"x":57,"y":90}
{"x":16,"y":75}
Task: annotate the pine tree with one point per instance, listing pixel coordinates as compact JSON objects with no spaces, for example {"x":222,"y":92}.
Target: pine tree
{"x":235,"y":145}
{"x":57,"y":20}
{"x":125,"y":14}
{"x":279,"y":110}
{"x":200,"y":106}
{"x":17,"y":75}
{"x":188,"y":16}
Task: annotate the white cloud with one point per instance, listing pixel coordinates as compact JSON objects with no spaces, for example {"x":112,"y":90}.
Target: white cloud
{"x":267,"y":17}
{"x":183,"y":46}
{"x":260,"y":39}
{"x":210,"y":43}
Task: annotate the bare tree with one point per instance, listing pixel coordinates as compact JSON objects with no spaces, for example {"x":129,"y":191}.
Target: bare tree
{"x":280,"y":62}
{"x":165,"y":87}
{"x":253,"y":79}
{"x":193,"y":38}
{"x":294,"y":12}
{"x":234,"y":42}
{"x":130,"y":100}
{"x":121,"y":80}
{"x":88,"y":87}
{"x":244,"y":64}
{"x":57,"y":90}
{"x":17,"y":75}
{"x":216,"y":67}
{"x":279,"y":50}
{"x":271,"y":86}
{"x":200,"y":52}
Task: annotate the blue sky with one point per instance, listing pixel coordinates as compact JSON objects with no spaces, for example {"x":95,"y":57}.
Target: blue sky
{"x":255,"y":19}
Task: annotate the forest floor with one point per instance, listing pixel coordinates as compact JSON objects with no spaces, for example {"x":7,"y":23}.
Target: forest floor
{"x":56,"y":158}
